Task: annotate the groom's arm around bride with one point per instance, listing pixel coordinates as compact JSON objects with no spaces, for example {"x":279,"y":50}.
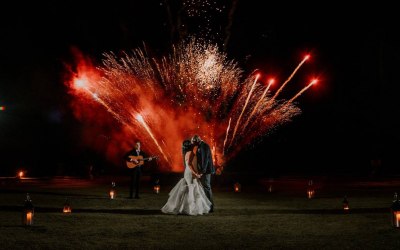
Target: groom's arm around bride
{"x":205,"y":165}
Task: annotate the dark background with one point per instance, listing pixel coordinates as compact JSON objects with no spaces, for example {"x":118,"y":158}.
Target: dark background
{"x":348,"y":119}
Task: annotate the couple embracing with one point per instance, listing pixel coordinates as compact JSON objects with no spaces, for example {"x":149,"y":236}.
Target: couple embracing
{"x":192,"y":195}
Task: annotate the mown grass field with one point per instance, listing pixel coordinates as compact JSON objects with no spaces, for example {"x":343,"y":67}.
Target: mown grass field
{"x":251,"y":219}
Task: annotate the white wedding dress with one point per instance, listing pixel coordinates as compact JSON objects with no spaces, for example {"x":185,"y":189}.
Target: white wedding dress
{"x":187,"y":196}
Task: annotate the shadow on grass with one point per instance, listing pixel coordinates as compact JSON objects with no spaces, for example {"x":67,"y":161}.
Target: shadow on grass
{"x":59,"y":193}
{"x":35,"y":228}
{"x":86,"y":210}
{"x":223,"y":212}
{"x":219,"y":212}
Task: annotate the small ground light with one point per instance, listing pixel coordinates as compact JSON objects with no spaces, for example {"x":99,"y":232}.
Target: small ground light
{"x":345,"y":203}
{"x":28,"y":211}
{"x":156,"y":188}
{"x":310,"y":190}
{"x":67,"y":207}
{"x":237,"y":187}
{"x":270,"y":186}
{"x":395,"y":210}
{"x":20,"y":174}
{"x":113,"y":192}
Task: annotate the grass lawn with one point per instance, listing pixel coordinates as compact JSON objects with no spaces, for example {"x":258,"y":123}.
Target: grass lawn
{"x":251,"y":219}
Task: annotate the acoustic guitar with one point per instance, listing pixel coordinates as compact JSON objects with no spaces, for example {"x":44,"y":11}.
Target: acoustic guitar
{"x":140,"y":160}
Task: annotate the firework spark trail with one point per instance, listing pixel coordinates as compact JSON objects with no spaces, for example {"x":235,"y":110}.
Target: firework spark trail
{"x":256,"y":107}
{"x":81,"y":84}
{"x":244,"y":108}
{"x":279,"y":116}
{"x":226,"y":136}
{"x":230,"y":22}
{"x":314,"y":81}
{"x":116,"y":116}
{"x":140,"y":119}
{"x":289,"y":78}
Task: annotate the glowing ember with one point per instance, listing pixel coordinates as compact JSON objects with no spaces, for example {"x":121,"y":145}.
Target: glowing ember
{"x":162,"y":101}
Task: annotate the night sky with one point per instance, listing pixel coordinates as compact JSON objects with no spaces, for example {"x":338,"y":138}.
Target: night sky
{"x":348,"y":119}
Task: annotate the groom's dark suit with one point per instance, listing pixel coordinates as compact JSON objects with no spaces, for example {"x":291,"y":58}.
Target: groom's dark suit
{"x":206,"y":167}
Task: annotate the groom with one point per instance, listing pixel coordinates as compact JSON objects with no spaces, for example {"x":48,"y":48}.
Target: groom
{"x":205,"y":166}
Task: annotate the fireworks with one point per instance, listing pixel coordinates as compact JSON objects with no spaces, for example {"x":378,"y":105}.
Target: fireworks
{"x":162,"y":101}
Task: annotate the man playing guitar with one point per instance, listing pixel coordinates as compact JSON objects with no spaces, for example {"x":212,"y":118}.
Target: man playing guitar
{"x":134,"y":161}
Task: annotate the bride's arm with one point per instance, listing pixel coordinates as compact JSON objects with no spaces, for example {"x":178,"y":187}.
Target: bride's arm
{"x":189,"y":163}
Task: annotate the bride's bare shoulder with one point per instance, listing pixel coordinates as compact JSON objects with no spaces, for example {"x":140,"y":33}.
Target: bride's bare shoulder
{"x":188,"y":154}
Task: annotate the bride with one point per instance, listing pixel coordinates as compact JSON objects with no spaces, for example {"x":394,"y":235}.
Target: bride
{"x":188,"y":196}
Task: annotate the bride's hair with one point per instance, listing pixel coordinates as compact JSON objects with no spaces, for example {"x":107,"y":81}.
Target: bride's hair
{"x":186,"y":146}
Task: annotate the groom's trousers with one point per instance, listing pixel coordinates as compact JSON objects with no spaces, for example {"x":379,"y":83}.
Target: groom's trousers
{"x":206,"y":183}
